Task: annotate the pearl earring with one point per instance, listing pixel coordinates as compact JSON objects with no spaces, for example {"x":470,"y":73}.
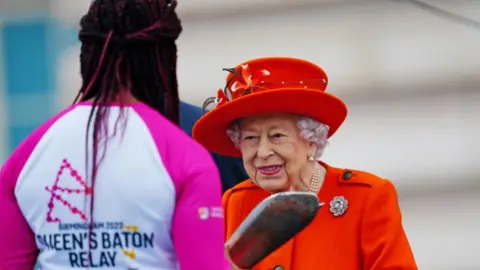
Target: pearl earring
{"x":311,"y":158}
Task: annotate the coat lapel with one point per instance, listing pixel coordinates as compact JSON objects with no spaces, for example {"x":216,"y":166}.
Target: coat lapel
{"x":315,"y":244}
{"x":312,"y":247}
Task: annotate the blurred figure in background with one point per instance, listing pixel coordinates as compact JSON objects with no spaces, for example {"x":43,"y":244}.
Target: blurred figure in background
{"x":276,"y":115}
{"x":231,"y":168}
{"x":112,"y":182}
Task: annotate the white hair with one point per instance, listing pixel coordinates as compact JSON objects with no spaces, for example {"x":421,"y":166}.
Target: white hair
{"x":310,"y":130}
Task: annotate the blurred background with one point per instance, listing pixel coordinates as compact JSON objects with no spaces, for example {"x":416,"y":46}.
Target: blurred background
{"x":409,"y":72}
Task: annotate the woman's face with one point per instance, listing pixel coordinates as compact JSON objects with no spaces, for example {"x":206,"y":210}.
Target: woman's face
{"x":274,"y":155}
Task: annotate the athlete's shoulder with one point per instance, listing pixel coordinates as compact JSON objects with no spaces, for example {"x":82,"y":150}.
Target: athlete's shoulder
{"x":182,"y":155}
{"x":158,"y":125}
{"x":22,"y":152}
{"x":34,"y":137}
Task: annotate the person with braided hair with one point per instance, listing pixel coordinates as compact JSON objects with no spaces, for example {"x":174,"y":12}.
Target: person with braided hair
{"x":112,"y":182}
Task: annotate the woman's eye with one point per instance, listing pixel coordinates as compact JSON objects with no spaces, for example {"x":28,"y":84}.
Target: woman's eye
{"x":278,"y":135}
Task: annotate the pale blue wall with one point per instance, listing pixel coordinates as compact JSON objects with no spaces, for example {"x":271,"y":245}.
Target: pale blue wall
{"x":29,"y":51}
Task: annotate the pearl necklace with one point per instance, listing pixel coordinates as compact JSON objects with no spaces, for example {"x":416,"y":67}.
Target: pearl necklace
{"x":315,"y":181}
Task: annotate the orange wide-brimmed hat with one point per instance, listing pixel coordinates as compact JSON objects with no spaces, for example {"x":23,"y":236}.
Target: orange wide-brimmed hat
{"x":268,"y":86}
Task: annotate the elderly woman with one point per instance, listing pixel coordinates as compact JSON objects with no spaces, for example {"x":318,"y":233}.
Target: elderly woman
{"x":276,"y":115}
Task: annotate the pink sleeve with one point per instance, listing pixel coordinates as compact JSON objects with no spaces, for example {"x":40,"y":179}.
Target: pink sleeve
{"x":18,"y":250}
{"x":198,"y":225}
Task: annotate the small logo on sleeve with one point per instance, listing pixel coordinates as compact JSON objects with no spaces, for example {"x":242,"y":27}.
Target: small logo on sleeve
{"x":205,"y":213}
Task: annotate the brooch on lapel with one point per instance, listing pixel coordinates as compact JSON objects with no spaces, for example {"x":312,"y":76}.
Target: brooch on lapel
{"x":338,"y":205}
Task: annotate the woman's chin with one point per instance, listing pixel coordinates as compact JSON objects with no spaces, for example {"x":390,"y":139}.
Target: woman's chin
{"x":274,"y":185}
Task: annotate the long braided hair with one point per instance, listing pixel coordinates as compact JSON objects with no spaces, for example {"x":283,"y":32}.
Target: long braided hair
{"x":127,"y":49}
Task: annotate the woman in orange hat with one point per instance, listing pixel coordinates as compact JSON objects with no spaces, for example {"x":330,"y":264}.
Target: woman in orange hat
{"x":276,"y":115}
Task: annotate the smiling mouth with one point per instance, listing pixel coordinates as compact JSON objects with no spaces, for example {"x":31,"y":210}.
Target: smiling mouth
{"x":270,"y":170}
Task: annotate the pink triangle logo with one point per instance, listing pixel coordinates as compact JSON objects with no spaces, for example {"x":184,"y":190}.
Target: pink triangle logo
{"x":59,"y":193}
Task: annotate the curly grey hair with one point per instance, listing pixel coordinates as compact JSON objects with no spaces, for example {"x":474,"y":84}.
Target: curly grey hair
{"x":310,"y":130}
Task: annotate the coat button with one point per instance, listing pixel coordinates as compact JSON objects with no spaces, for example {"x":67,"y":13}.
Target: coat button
{"x":278,"y":267}
{"x":347,"y":175}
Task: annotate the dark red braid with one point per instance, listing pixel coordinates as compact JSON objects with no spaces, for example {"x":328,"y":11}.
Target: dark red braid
{"x":128,"y":48}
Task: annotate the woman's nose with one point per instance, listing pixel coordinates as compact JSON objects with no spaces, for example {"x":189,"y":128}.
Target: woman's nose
{"x":264,"y":148}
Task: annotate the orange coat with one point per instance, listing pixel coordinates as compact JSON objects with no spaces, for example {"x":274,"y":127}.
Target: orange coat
{"x":369,"y":235}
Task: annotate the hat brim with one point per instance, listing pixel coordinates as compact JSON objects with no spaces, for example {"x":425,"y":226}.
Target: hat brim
{"x":210,"y":130}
